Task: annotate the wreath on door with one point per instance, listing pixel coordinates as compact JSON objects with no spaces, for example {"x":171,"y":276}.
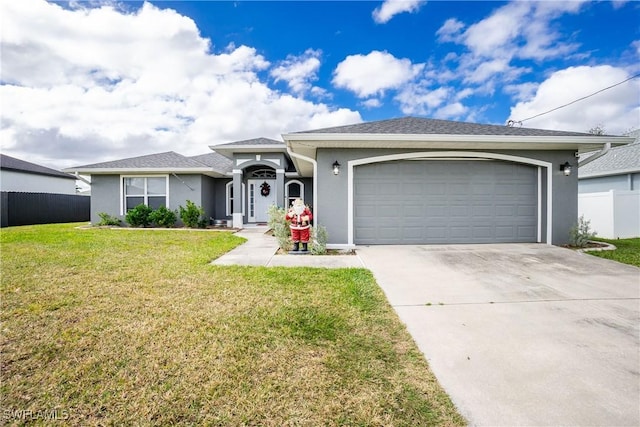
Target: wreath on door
{"x":265,"y":189}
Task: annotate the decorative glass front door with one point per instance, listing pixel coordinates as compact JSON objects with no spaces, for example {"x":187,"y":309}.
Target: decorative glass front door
{"x":262,"y":194}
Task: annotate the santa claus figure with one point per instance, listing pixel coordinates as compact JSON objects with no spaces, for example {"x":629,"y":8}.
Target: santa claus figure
{"x":299,"y":217}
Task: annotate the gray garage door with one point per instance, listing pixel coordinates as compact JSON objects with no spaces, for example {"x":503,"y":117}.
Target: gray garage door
{"x":445,"y":201}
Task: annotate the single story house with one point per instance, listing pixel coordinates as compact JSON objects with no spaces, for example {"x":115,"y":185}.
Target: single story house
{"x":399,"y":181}
{"x":25,"y":177}
{"x":609,"y":189}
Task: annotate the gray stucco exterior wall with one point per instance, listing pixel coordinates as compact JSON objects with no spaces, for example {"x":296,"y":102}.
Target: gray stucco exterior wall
{"x":333,"y":190}
{"x":105,"y":196}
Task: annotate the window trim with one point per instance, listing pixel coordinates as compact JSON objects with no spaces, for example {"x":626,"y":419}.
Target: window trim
{"x":228,"y":197}
{"x":123,"y":201}
{"x":286,"y":190}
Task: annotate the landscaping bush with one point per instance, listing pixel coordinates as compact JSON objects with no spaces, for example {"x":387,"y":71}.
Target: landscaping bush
{"x":106,"y":220}
{"x":581,"y":233}
{"x":139,"y":216}
{"x":192,"y":215}
{"x":163,"y":217}
{"x":318,"y":240}
{"x":280,"y":227}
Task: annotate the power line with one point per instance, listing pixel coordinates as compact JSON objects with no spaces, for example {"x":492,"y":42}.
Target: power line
{"x":510,"y":123}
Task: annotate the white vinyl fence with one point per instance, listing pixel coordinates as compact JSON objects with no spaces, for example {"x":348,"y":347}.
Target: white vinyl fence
{"x":613,"y":214}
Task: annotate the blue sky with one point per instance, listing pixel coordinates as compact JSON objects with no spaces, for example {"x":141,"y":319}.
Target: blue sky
{"x":84,"y":82}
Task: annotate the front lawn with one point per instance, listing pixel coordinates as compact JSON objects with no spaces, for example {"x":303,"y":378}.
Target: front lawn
{"x":628,"y":251}
{"x":112,"y":327}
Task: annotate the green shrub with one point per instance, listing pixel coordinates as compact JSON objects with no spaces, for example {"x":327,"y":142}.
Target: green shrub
{"x":163,"y":217}
{"x":192,"y":215}
{"x":139,"y":216}
{"x":581,"y":233}
{"x":106,"y":219}
{"x":318,"y":240}
{"x":280,"y":227}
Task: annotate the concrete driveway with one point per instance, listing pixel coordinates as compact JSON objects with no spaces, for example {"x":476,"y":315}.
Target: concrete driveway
{"x":521,"y":334}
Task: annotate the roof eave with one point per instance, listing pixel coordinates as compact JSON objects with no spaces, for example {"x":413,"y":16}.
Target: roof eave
{"x":138,"y":171}
{"x":229,"y":150}
{"x":451,"y":141}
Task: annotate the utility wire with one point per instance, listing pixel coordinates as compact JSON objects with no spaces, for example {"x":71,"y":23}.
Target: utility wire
{"x":510,"y":123}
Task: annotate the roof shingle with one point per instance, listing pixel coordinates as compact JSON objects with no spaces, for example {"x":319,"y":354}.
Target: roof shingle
{"x":618,"y":159}
{"x":11,"y":163}
{"x":424,"y":126}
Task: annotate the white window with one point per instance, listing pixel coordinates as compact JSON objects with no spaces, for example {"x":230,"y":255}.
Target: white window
{"x":230,"y":200}
{"x":293,"y":190}
{"x":152,"y":191}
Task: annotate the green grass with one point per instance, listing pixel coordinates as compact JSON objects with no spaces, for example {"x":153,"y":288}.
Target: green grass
{"x":114,"y":327}
{"x":627,"y":251}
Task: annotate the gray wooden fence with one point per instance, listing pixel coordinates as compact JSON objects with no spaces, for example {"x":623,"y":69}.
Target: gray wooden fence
{"x":42,"y":208}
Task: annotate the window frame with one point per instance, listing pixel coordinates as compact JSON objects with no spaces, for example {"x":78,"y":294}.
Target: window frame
{"x":145,"y":196}
{"x":286,"y":190}
{"x":229,"y":198}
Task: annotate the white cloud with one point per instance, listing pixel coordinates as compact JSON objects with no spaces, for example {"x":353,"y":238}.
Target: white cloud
{"x":420,"y":99}
{"x":372,"y":74}
{"x":390,"y":8}
{"x":85,"y":85}
{"x":372,"y":103}
{"x":298,"y":71}
{"x":451,"y":111}
{"x":450,"y":31}
{"x":617,"y":109}
{"x":522,"y":91}
{"x":522,"y":30}
{"x":495,"y":34}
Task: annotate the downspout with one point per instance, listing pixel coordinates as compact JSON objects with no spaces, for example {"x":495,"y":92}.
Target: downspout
{"x":179,"y":179}
{"x":605,"y":149}
{"x":315,"y":179}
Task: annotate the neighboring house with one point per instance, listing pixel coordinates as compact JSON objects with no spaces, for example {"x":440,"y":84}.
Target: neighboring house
{"x":399,"y":181}
{"x":34,"y":194}
{"x":609,"y":190}
{"x":20,"y":176}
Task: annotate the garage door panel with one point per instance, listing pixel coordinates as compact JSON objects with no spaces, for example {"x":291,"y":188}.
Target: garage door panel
{"x":387,"y":212}
{"x":445,"y":202}
{"x":436,"y":232}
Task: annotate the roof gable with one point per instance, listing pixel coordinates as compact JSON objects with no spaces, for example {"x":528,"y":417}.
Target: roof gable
{"x":250,"y":142}
{"x":17,"y":165}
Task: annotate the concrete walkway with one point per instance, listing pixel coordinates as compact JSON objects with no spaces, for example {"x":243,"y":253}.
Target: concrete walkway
{"x":260,"y":250}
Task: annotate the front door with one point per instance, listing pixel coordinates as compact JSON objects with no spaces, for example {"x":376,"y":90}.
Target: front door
{"x":262,"y":194}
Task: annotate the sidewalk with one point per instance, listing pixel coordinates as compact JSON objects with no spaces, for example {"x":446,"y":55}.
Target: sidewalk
{"x":260,"y":250}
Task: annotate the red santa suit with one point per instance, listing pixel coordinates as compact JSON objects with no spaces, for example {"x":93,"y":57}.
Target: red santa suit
{"x":299,"y":225}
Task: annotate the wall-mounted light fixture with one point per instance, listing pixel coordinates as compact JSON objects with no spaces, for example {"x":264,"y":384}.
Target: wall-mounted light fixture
{"x":336,"y":167}
{"x":566,"y":168}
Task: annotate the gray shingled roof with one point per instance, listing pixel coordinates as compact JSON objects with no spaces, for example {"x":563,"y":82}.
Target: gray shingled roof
{"x":617,"y":160}
{"x":424,"y":126}
{"x":254,"y":141}
{"x":11,"y":163}
{"x":168,"y":160}
{"x":216,"y":161}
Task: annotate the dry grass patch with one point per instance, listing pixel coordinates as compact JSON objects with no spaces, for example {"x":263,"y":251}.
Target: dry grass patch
{"x":136,"y":328}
